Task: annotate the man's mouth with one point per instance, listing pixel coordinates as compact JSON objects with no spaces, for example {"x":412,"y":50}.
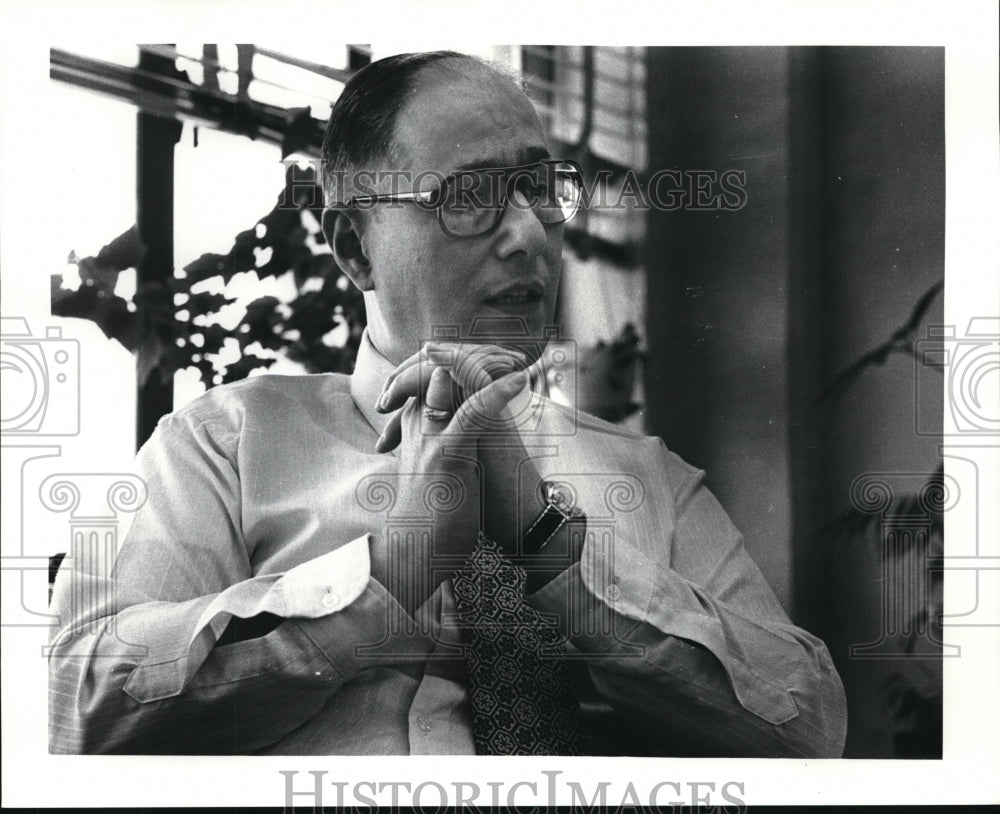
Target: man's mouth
{"x":517,"y":295}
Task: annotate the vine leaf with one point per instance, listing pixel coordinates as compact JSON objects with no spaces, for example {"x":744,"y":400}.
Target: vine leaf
{"x":241,"y":369}
{"x":94,"y":302}
{"x":903,"y":340}
{"x":204,"y":303}
{"x":124,"y":252}
{"x":207,"y":266}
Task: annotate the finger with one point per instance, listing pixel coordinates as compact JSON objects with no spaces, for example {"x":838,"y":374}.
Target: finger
{"x":440,"y":393}
{"x":413,"y":382}
{"x":413,"y":377}
{"x":476,"y":366}
{"x":392,"y":435}
{"x":536,"y":371}
{"x":484,"y":410}
{"x":472,"y":368}
{"x":405,"y":365}
{"x":447,"y":353}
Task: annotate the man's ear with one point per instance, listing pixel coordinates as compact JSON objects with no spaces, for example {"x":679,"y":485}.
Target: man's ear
{"x":342,"y":230}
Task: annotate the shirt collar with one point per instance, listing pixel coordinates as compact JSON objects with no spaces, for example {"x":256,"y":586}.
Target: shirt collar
{"x":371,"y":369}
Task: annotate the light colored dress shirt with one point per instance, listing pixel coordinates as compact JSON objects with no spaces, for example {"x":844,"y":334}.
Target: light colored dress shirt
{"x":256,"y":506}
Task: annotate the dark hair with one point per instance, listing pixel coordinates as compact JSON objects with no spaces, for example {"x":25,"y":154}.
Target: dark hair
{"x":362,"y":122}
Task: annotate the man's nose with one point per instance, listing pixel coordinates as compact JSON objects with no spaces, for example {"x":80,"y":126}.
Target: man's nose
{"x":520,"y":230}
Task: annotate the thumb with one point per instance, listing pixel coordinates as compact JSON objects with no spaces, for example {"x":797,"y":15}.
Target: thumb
{"x":483,"y":411}
{"x":511,"y":384}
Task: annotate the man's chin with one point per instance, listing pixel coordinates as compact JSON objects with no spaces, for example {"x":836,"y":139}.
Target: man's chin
{"x":515,"y":321}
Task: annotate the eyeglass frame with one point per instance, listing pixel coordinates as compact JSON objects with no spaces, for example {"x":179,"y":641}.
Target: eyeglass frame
{"x":423,"y":198}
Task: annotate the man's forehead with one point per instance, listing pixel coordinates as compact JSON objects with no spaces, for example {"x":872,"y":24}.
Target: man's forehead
{"x":513,"y":158}
{"x":458,"y":121}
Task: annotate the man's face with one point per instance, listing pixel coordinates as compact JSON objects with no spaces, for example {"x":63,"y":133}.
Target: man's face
{"x":461,"y":116}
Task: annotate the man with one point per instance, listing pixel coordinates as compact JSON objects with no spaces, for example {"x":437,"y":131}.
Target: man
{"x":430,"y":557}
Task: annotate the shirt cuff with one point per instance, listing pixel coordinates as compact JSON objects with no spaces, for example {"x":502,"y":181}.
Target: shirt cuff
{"x":323,"y":585}
{"x":639,"y":602}
{"x":319,"y":587}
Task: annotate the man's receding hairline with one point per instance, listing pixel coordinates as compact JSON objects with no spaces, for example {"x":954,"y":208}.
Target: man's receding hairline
{"x":490,"y":68}
{"x":421,"y":79}
{"x":424,"y":78}
{"x":434,"y":72}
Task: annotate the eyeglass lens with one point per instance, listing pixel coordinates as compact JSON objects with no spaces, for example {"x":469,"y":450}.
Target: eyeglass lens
{"x":474,"y":201}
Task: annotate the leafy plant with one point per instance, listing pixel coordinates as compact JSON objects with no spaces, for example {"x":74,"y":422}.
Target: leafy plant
{"x":607,"y":376}
{"x":174,"y":325}
{"x":912,"y":688}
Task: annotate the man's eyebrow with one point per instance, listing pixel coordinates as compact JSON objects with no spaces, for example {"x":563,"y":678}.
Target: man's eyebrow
{"x":529,"y":156}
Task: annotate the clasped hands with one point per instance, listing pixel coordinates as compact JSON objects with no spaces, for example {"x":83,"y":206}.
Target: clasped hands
{"x":454,"y":392}
{"x":458,"y":413}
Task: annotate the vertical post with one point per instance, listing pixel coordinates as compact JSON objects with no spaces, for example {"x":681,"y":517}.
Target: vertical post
{"x":155,"y":137}
{"x":807,"y":334}
{"x":717,"y":273}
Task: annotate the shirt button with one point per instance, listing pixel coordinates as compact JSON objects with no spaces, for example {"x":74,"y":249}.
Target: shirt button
{"x":330,"y":599}
{"x":424,"y":724}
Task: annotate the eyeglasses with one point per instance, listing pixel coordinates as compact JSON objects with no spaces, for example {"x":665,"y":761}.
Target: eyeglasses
{"x":473,"y":202}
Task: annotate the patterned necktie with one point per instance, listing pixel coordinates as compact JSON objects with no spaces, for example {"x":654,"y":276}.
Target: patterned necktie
{"x":522,"y":697}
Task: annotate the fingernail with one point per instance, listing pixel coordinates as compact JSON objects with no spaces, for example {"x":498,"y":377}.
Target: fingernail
{"x":382,"y":405}
{"x":384,"y":395}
